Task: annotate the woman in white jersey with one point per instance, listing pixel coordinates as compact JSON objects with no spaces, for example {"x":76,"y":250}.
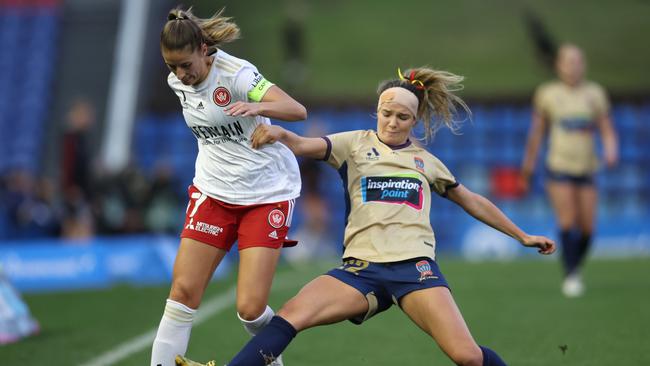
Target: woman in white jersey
{"x":238,"y":193}
{"x":571,"y":109}
{"x":389,"y":243}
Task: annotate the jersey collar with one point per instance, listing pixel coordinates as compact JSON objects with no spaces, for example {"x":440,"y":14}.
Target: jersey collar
{"x":395,"y":147}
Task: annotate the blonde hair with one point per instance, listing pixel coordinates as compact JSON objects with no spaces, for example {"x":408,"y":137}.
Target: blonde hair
{"x":437,"y":101}
{"x":185,"y":29}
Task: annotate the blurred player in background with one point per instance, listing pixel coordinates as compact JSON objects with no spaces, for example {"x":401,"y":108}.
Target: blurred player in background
{"x":571,"y":109}
{"x":16,"y":321}
{"x":238,"y":193}
{"x":389,"y":243}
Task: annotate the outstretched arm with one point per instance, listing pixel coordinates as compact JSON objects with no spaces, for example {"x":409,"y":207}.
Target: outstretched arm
{"x":485,"y":211}
{"x":311,"y":147}
{"x":275,"y":104}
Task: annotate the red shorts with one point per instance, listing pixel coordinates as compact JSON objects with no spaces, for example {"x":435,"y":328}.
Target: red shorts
{"x":220,"y":224}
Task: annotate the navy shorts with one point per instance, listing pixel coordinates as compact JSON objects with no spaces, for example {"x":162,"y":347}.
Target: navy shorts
{"x":384,"y":284}
{"x":579,"y":180}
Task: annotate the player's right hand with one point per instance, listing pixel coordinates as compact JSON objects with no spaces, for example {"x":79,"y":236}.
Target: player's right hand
{"x":543,"y":244}
{"x":266,"y":134}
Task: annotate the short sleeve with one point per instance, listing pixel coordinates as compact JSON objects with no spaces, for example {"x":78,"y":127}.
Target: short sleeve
{"x":442,"y":180}
{"x":251,"y":83}
{"x":172,"y":82}
{"x":339,"y":147}
{"x":600,"y":100}
{"x":539,"y":100}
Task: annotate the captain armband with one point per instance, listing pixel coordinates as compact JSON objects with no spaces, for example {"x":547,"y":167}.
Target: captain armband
{"x":260,"y":87}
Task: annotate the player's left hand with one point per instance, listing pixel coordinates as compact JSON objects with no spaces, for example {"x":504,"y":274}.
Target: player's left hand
{"x":545,"y":245}
{"x":243,"y":109}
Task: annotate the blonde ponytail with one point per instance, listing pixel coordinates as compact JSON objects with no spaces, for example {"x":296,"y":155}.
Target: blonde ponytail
{"x":435,"y":90}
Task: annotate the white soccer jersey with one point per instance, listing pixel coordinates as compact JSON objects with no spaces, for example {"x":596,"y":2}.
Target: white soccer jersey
{"x":227,"y":167}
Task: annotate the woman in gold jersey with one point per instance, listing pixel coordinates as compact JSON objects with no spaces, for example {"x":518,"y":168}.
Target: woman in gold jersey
{"x":571,"y":109}
{"x":389,"y":243}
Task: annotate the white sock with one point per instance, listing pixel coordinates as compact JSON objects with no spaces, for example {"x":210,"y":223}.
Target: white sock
{"x":173,"y":334}
{"x":254,"y":326}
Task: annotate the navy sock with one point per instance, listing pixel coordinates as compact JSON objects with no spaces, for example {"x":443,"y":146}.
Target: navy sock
{"x":490,"y":358}
{"x":584,"y":244}
{"x":269,"y":343}
{"x":570,"y":251}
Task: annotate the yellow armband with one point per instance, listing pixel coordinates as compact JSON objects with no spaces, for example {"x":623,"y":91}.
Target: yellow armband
{"x":260,"y":87}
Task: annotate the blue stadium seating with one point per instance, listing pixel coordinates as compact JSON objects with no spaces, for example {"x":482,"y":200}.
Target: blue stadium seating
{"x":495,"y":137}
{"x":28,"y":34}
{"x":30,"y":31}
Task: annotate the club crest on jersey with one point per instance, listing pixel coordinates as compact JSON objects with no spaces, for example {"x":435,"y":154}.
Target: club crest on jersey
{"x":419,"y":163}
{"x":276,"y":218}
{"x":424,"y":268}
{"x":221,"y":96}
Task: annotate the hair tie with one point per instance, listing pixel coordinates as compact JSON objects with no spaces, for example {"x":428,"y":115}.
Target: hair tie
{"x":411,"y":79}
{"x":173,"y":16}
{"x":399,"y":72}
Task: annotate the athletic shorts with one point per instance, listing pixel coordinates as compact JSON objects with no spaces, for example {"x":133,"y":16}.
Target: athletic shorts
{"x":579,"y":180}
{"x":220,"y":224}
{"x":384,"y":284}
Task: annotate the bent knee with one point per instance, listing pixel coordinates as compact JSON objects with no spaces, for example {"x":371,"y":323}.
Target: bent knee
{"x":250,"y":310}
{"x":187,"y":295}
{"x":467,"y":356}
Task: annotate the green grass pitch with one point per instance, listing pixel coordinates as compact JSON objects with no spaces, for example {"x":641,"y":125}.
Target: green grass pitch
{"x":514,"y":307}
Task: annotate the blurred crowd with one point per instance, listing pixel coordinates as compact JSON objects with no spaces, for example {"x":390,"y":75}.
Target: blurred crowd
{"x":84,"y":200}
{"x":125,"y":203}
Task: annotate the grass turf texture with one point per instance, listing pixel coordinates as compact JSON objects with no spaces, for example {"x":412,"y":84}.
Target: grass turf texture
{"x":515,"y":308}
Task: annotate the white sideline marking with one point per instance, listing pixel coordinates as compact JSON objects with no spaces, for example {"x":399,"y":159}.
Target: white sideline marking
{"x":213,"y":306}
{"x":209,"y":308}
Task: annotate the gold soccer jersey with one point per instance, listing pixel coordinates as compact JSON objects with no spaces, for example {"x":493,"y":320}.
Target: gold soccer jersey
{"x":572,"y":115}
{"x":389,"y":193}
